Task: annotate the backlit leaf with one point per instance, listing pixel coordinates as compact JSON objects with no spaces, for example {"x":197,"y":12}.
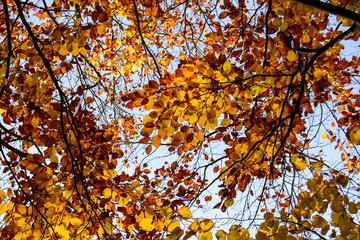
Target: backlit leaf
{"x":147,"y":224}
{"x":227,"y":67}
{"x":291,"y":56}
{"x":299,"y":163}
{"x":184,"y":212}
{"x":206,"y":225}
{"x":76,"y":221}
{"x":166,"y":212}
{"x":354,"y":134}
{"x":205,"y":236}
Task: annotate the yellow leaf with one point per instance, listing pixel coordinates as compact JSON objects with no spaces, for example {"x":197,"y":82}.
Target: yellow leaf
{"x":193,"y":118}
{"x":206,"y":225}
{"x":100,"y":28}
{"x":107,"y":192}
{"x":62,"y":232}
{"x":166,"y":212}
{"x":277,"y":21}
{"x":194,"y":227}
{"x":226,"y":122}
{"x":180,"y":95}
{"x":317,"y":165}
{"x":221,"y":235}
{"x":200,"y":135}
{"x":173,"y":226}
{"x":229,"y":203}
{"x":298,"y":164}
{"x":318,"y":73}
{"x":205,"y":236}
{"x":123,"y":201}
{"x":75,"y":221}
{"x":63,"y":50}
{"x":3,"y":208}
{"x":75,"y":50}
{"x":227,"y":67}
{"x":354,"y":135}
{"x":77,"y":22}
{"x":323,"y":136}
{"x":147,"y":224}
{"x":2,"y":196}
{"x":184,"y":212}
{"x":305,"y":38}
{"x":291,"y":56}
{"x":234,"y":235}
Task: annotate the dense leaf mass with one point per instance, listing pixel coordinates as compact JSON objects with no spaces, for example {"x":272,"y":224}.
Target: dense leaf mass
{"x":167,"y":119}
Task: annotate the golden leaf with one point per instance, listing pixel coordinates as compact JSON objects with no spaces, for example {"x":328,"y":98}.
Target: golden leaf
{"x":226,"y":122}
{"x":54,"y":158}
{"x":298,"y":164}
{"x":291,"y":56}
{"x":221,"y":235}
{"x":194,"y":227}
{"x":76,"y":221}
{"x":354,"y":134}
{"x":227,"y":67}
{"x":166,"y":212}
{"x":2,"y":196}
{"x":184,"y":212}
{"x":147,"y":224}
{"x":156,"y":141}
{"x":206,"y":225}
{"x":21,"y":209}
{"x":107,"y":193}
{"x":173,"y":226}
{"x":229,"y":203}
{"x":205,"y":236}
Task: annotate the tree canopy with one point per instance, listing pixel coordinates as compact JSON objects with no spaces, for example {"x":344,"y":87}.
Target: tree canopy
{"x":179,"y":119}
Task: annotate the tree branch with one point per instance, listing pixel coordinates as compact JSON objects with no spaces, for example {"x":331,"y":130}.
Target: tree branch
{"x":338,"y":11}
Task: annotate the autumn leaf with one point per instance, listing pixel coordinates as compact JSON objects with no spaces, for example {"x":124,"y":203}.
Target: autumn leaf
{"x":291,"y":56}
{"x":76,"y":221}
{"x":205,"y":236}
{"x":166,"y":212}
{"x":353,"y":134}
{"x":173,"y":226}
{"x":299,"y":163}
{"x":147,"y":224}
{"x":227,"y":67}
{"x":184,"y":212}
{"x":206,"y":225}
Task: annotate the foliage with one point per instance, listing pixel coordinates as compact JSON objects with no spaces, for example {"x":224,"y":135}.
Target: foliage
{"x":124,"y":119}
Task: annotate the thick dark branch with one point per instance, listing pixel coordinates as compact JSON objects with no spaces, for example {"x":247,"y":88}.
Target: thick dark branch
{"x":338,"y":11}
{"x":10,"y":53}
{"x":11,"y":148}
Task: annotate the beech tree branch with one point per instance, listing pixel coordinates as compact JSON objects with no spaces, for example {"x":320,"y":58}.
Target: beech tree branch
{"x":338,"y":11}
{"x":331,"y":44}
{"x":11,"y":148}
